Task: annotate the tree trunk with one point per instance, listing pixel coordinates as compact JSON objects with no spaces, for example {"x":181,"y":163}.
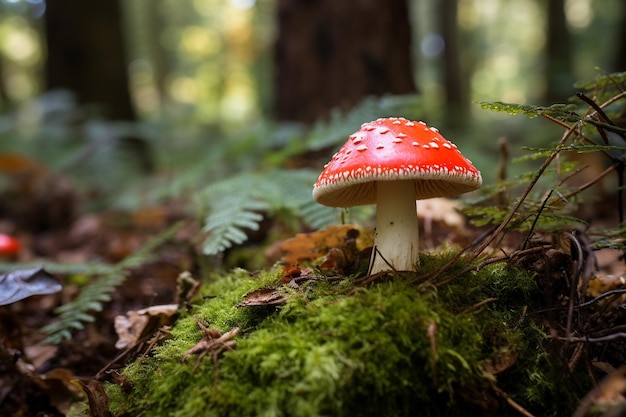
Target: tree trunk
{"x":559,"y":71}
{"x":86,"y":54}
{"x":620,"y":57}
{"x":456,"y":94}
{"x":333,"y":53}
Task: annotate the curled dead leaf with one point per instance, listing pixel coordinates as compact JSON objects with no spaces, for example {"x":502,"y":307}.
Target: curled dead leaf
{"x":97,"y":397}
{"x":305,"y":247}
{"x":264,"y":297}
{"x":130,"y":328}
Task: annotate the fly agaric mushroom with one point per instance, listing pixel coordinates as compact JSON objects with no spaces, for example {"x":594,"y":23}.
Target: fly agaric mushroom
{"x":392,"y":162}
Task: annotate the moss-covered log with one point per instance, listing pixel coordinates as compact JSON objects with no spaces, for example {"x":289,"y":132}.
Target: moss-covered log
{"x":399,"y":346}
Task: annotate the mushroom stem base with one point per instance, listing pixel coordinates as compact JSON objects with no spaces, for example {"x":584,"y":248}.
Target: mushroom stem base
{"x":396,"y":246}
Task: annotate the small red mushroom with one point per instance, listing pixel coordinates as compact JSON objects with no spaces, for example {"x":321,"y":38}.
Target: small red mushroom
{"x":392,"y":162}
{"x":9,"y":247}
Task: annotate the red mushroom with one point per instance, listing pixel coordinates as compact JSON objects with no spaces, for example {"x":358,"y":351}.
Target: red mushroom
{"x":9,"y":247}
{"x":391,"y":162}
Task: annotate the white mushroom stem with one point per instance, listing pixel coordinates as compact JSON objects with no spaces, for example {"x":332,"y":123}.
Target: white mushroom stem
{"x":396,"y":245}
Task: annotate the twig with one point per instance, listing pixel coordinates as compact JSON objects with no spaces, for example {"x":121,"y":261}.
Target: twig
{"x":479,"y":305}
{"x":528,"y":189}
{"x":574,"y":284}
{"x":591,"y":182}
{"x":517,"y":407}
{"x":587,"y":339}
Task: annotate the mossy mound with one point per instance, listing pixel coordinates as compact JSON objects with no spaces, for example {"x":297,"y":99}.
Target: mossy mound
{"x":396,"y":347}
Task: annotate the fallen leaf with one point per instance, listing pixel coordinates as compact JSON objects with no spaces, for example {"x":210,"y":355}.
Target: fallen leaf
{"x":61,"y":388}
{"x":98,"y":399}
{"x":24,"y":283}
{"x":289,"y":272}
{"x":607,"y":395}
{"x":130,"y":328}
{"x":18,"y":164}
{"x":263,"y":297}
{"x":122,"y":381}
{"x":311,"y":246}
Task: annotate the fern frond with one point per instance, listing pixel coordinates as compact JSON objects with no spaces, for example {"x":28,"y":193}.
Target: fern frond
{"x":233,"y":206}
{"x":91,"y":297}
{"x":296,"y":188}
{"x":603,"y":81}
{"x":564,"y":112}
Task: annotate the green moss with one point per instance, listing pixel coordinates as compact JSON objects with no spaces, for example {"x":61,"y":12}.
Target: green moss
{"x":393,"y":348}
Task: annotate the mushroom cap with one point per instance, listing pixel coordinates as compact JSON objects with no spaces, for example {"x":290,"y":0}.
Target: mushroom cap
{"x":394,"y":149}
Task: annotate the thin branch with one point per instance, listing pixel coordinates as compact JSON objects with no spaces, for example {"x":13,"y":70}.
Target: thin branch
{"x":517,"y":407}
{"x":586,"y":339}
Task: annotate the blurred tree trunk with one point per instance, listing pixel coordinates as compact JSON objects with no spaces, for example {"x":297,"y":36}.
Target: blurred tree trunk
{"x":456,"y":94}
{"x":620,"y":58}
{"x":559,"y":71}
{"x":333,"y":53}
{"x":86,"y":54}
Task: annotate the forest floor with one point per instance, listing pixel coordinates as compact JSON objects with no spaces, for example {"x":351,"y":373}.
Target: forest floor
{"x":39,"y":379}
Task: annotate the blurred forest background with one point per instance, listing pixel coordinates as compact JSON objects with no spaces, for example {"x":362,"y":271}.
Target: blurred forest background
{"x":231,"y":62}
{"x":138,"y":101}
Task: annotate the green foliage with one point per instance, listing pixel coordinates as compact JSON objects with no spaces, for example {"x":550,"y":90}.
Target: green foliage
{"x":336,"y":131}
{"x":232,"y":206}
{"x":343,"y":350}
{"x":564,"y":112}
{"x":604,"y":86}
{"x":93,"y":295}
{"x":612,"y":238}
{"x":234,"y":179}
{"x":238,"y":204}
{"x":550,"y":196}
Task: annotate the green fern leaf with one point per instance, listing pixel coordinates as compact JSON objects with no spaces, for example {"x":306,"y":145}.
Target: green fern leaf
{"x":564,"y":112}
{"x":74,"y":314}
{"x":233,"y":205}
{"x":602,"y":81}
{"x":296,"y":193}
{"x":237,"y":205}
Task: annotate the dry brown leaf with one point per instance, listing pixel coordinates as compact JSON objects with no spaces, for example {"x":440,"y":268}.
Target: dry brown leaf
{"x":136,"y":323}
{"x":606,"y":399}
{"x":98,"y":399}
{"x":263,"y":297}
{"x":306,"y":247}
